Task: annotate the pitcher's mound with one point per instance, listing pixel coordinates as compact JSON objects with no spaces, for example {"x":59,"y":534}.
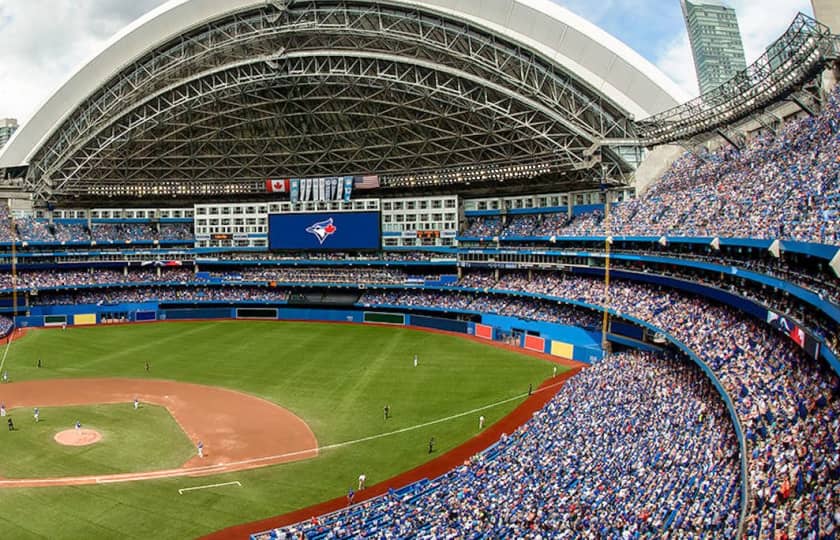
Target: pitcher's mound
{"x":78,"y":437}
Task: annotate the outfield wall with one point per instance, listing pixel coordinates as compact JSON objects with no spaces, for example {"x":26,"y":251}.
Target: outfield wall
{"x":560,"y":340}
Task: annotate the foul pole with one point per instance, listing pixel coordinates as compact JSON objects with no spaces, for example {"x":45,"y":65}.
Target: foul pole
{"x":607,"y":244}
{"x":14,"y":288}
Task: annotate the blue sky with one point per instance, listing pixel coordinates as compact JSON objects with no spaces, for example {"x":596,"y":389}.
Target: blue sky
{"x":648,"y":26}
{"x":45,"y":40}
{"x":655,"y":28}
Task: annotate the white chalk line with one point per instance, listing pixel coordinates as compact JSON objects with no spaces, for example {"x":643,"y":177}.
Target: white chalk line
{"x":6,"y":350}
{"x":220,"y":468}
{"x":208,"y":486}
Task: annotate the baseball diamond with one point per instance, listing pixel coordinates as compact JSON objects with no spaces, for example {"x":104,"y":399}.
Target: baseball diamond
{"x":322,"y":269}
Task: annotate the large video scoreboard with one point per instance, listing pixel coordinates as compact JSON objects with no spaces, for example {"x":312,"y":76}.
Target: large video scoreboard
{"x":329,"y":231}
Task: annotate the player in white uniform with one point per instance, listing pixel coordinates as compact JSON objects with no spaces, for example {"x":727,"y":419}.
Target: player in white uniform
{"x":37,"y":414}
{"x":415,"y":360}
{"x":200,"y":448}
{"x":362,"y":480}
{"x":2,"y":409}
{"x":481,"y":422}
{"x":136,"y":404}
{"x":78,"y":425}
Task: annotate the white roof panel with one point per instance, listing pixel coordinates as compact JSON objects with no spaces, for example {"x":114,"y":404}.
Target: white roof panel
{"x":596,"y":57}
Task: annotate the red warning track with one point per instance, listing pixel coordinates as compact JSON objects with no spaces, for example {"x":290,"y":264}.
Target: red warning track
{"x":239,"y":431}
{"x":432,"y":469}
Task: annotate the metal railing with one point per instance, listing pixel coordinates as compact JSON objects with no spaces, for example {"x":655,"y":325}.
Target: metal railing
{"x":793,"y":59}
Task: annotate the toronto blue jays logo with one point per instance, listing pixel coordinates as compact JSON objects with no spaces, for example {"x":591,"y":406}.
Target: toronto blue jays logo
{"x":322,"y":229}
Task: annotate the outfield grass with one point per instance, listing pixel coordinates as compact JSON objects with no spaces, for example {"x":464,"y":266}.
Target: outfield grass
{"x":336,"y":377}
{"x":143,"y":440}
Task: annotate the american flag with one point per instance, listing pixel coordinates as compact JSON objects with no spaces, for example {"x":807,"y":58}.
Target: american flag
{"x":365,"y":182}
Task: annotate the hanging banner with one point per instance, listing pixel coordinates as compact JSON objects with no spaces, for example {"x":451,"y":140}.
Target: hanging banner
{"x":294,"y":186}
{"x":348,"y":188}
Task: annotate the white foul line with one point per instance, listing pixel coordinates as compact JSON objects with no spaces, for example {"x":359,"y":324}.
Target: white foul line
{"x":234,"y":483}
{"x":220,"y":468}
{"x":6,"y":349}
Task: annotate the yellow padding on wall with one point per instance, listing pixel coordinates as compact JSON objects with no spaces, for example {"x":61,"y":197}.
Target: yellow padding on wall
{"x":85,"y":318}
{"x":559,"y":348}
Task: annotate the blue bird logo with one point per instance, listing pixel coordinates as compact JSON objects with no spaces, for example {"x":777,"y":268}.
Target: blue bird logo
{"x":322,"y":229}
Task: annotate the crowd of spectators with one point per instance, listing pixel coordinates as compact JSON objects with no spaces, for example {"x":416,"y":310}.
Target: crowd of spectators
{"x":638,"y":446}
{"x":33,"y":230}
{"x":515,"y":226}
{"x":815,"y":278}
{"x":418,"y":256}
{"x":784,"y":185}
{"x":30,"y":229}
{"x":566,"y":286}
{"x":29,"y":280}
{"x":69,"y":233}
{"x":6,"y":325}
{"x":140,"y":232}
{"x":175,"y":231}
{"x":788,"y":404}
{"x":5,"y":222}
{"x":197,"y":294}
{"x":40,"y":280}
{"x":351,"y":275}
{"x":483,"y":226}
{"x":520,"y":225}
{"x":549,"y":224}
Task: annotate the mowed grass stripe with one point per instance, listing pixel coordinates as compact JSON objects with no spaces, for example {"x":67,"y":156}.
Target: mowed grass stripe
{"x":336,"y":377}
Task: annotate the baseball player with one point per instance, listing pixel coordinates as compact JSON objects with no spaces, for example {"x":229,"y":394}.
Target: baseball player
{"x":200,"y":448}
{"x":415,"y":360}
{"x":78,"y":425}
{"x":136,"y":404}
{"x":6,"y":376}
{"x":555,"y":372}
{"x":37,"y":414}
{"x":386,"y":412}
{"x":481,"y":422}
{"x":362,"y":480}
{"x":2,"y":409}
{"x":11,"y":424}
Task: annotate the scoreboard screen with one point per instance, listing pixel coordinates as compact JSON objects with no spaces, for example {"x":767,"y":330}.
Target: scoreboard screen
{"x":324,"y":231}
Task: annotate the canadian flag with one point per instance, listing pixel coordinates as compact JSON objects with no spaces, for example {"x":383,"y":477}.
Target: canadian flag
{"x":277,"y":186}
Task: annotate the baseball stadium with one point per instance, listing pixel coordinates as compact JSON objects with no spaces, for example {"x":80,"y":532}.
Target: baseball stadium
{"x":282,"y":269}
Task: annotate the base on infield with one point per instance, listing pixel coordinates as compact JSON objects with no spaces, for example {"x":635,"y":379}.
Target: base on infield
{"x":78,"y":437}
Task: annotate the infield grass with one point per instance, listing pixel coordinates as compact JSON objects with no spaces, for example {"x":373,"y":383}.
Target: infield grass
{"x":147,"y":439}
{"x":335,"y":377}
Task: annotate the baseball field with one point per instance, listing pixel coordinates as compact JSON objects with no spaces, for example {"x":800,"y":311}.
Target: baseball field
{"x":289,"y":414}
